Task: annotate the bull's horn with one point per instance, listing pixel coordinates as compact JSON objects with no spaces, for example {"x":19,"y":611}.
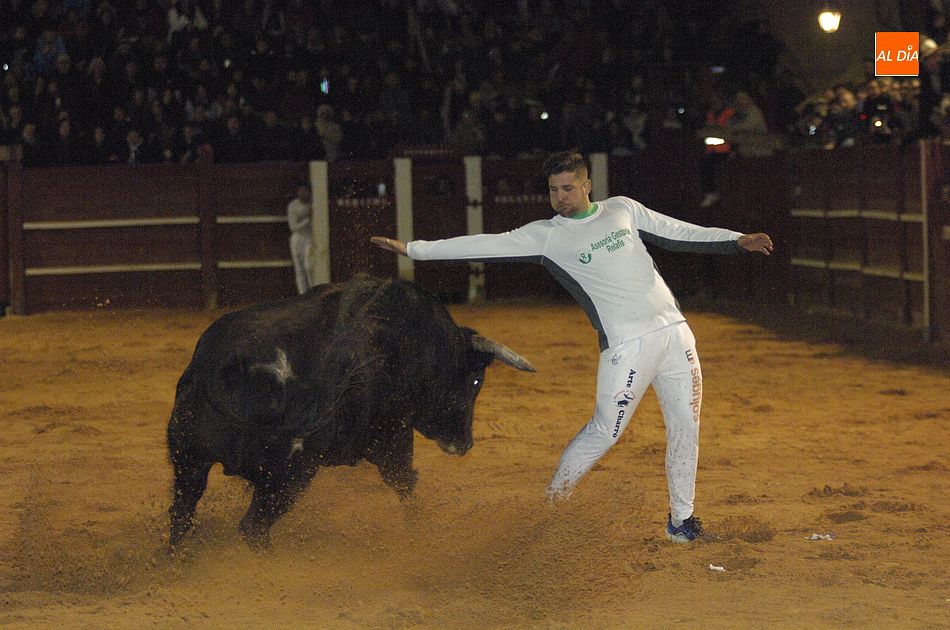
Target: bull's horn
{"x":502,"y":353}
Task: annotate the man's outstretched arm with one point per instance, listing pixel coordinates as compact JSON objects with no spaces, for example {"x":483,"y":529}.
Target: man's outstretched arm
{"x":525,"y":243}
{"x":391,"y":244}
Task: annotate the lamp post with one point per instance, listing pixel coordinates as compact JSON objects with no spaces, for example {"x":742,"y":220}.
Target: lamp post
{"x":829,"y":19}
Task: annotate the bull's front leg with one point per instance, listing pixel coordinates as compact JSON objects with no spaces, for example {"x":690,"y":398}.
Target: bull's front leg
{"x":393,"y":458}
{"x":275,"y":491}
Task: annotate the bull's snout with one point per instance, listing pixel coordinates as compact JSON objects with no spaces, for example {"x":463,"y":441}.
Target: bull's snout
{"x":453,"y":448}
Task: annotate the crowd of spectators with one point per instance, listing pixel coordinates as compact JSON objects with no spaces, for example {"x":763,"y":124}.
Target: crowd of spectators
{"x":99,"y":81}
{"x":881,"y":110}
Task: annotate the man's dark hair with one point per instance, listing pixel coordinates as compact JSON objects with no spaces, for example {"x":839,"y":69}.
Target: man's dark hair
{"x":564,"y":162}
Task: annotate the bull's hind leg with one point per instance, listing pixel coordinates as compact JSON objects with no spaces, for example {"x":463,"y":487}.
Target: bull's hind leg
{"x":190,"y":462}
{"x":274,"y":494}
{"x":191,"y":479}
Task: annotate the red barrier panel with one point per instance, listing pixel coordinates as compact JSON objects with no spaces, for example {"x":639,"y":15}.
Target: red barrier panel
{"x":254,"y":189}
{"x":938,"y":214}
{"x":843,"y":176}
{"x":857,"y":232}
{"x":169,"y":235}
{"x":4,"y":241}
{"x":666,"y":179}
{"x":514,"y":194}
{"x":754,"y":198}
{"x":362,"y":203}
{"x":85,"y":193}
{"x":245,"y":230}
{"x":111,"y":246}
{"x":810,"y":188}
{"x":133,"y":289}
{"x":767,"y":211}
{"x":122,"y":236}
{"x":15,"y":232}
{"x":439,"y":211}
{"x":862,"y":231}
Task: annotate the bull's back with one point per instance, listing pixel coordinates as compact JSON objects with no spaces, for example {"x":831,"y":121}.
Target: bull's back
{"x":327,"y":364}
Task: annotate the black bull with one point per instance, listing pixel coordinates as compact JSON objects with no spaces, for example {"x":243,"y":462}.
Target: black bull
{"x":342,"y":373}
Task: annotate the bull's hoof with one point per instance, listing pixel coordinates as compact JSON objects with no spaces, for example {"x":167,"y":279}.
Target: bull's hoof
{"x":255,"y":537}
{"x":258,"y":542}
{"x":179,"y":530}
{"x":179,"y":552}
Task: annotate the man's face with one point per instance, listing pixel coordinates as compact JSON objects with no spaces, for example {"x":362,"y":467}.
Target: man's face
{"x":570,"y":192}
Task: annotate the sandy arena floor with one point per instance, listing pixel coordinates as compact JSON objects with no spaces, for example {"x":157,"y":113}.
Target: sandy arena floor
{"x":797,"y":439}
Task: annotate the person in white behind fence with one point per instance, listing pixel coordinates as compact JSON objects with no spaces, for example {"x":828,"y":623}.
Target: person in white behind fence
{"x":298,"y":219}
{"x":596,"y":251}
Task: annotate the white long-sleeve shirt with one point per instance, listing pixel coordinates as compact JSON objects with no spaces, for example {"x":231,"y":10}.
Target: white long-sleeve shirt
{"x":601,"y":260}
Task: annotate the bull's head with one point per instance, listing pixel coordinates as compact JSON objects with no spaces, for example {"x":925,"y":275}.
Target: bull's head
{"x":453,"y":429}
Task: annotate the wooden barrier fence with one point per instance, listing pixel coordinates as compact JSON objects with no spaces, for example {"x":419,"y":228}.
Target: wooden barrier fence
{"x":862,"y":231}
{"x":4,"y":241}
{"x":162,"y":235}
{"x":858,"y":232}
{"x":937,"y":184}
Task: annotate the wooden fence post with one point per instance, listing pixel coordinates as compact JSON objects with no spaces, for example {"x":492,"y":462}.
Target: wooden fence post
{"x":15,"y":232}
{"x":935,"y":278}
{"x":209,"y":262}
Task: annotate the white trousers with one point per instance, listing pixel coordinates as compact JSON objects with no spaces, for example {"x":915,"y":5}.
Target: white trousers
{"x":300,"y":254}
{"x":667,"y":359}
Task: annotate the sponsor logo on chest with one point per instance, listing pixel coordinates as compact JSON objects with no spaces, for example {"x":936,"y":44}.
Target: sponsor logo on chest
{"x":608,"y":243}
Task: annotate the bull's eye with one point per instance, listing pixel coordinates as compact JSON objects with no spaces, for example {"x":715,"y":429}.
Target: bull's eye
{"x":476,"y":382}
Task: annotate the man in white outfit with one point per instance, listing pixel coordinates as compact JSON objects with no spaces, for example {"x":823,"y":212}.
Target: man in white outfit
{"x":596,"y":251}
{"x":298,"y":220}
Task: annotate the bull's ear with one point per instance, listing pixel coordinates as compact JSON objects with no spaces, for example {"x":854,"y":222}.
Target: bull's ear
{"x":502,"y":353}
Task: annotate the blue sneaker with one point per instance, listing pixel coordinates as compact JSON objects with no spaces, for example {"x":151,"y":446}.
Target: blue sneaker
{"x":690,"y":530}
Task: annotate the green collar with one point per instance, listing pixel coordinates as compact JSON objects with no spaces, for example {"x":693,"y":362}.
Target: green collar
{"x":586,"y":213}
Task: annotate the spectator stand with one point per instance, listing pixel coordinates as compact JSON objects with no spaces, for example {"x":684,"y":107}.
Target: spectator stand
{"x":117,"y":82}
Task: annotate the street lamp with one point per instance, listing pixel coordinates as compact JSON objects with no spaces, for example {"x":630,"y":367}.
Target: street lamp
{"x":829,"y":19}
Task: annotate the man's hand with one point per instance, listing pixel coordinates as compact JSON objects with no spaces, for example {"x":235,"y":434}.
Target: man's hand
{"x":391,"y":244}
{"x":759,"y":242}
